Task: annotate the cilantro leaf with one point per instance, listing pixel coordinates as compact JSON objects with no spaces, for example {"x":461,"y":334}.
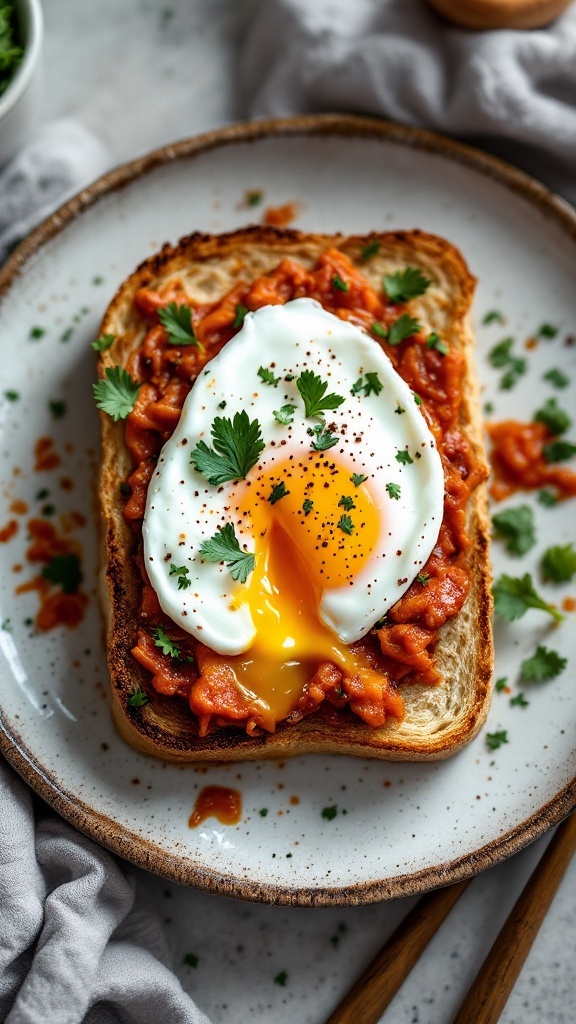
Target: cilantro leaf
{"x":307,"y":506}
{"x":369,"y":250}
{"x":405,"y":284}
{"x":137,"y":700}
{"x":559,"y":451}
{"x":237,"y":446}
{"x":64,"y":571}
{"x":556,"y":378}
{"x":278,"y":491}
{"x":323,"y":438}
{"x":181,"y":571}
{"x":379,"y":330}
{"x":285,"y":414}
{"x":345,"y":524}
{"x":346,"y":503}
{"x":372,"y":385}
{"x":358,"y":478}
{"x":513,"y":596}
{"x":393,"y":490}
{"x":329,"y":813}
{"x":166,"y":645}
{"x":117,"y":394}
{"x":435,"y":341}
{"x":240,"y":315}
{"x":339,"y":285}
{"x":546,"y":498}
{"x":547,"y":331}
{"x":519,"y":701}
{"x":313,"y":391}
{"x":499,"y":356}
{"x":423,"y":578}
{"x":177,"y":322}
{"x":103,"y":343}
{"x":404,"y":327}
{"x":544,"y":664}
{"x":559,"y":563}
{"x":493,"y":316}
{"x":555,"y":418}
{"x":496,"y":739}
{"x":267,"y":376}
{"x":516,"y":369}
{"x":224,"y":547}
{"x":516,"y":527}
{"x":501,"y":684}
{"x":404,"y":458}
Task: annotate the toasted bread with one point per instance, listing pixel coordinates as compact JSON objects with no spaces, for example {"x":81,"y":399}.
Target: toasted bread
{"x":438,"y":719}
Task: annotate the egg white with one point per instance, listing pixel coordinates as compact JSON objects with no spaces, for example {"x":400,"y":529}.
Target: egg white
{"x":183,"y":510}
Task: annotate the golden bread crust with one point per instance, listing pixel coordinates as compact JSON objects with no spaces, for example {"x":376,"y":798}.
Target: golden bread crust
{"x":439,"y":720}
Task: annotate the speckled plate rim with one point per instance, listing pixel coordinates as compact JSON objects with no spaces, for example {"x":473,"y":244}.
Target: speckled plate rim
{"x":105,"y":830}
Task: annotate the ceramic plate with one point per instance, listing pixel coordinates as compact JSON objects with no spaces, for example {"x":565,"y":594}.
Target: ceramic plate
{"x":314,"y":830}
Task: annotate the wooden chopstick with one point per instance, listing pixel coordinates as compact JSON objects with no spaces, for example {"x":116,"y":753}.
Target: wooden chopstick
{"x":495,"y":980}
{"x":372,"y":993}
{"x":368,"y":998}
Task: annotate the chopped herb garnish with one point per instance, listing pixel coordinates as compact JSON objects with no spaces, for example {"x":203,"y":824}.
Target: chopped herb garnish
{"x":417,"y":398}
{"x":519,"y":701}
{"x":329,"y":813}
{"x":501,"y":684}
{"x":393,"y":490}
{"x":97,"y":280}
{"x":399,"y":410}
{"x":237,"y":447}
{"x":137,"y":700}
{"x":346,"y":525}
{"x":190,"y":959}
{"x":372,"y":385}
{"x":104,"y":342}
{"x":240,"y":315}
{"x":58,"y":409}
{"x":558,"y":451}
{"x":404,"y":327}
{"x":379,"y":330}
{"x":559,"y":563}
{"x":222,"y":404}
{"x":281,"y":978}
{"x":307,"y":506}
{"x":555,"y":418}
{"x":516,"y":369}
{"x":263,"y":812}
{"x":64,"y":571}
{"x":405,"y":284}
{"x":358,"y":478}
{"x":493,"y":316}
{"x":546,"y":498}
{"x":435,"y":341}
{"x":543,"y":665}
{"x":278,"y":491}
{"x":166,"y":645}
{"x":404,"y":458}
{"x":36,"y":333}
{"x":313,"y":390}
{"x":499,"y":356}
{"x":285,"y":414}
{"x":346,"y":503}
{"x":496,"y":739}
{"x":369,"y":250}
{"x":557,"y":378}
{"x":117,"y":394}
{"x":516,"y":527}
{"x":267,"y":376}
{"x":67,"y":334}
{"x":177,"y":322}
{"x":253,"y":198}
{"x":339,"y":285}
{"x":12,"y":396}
{"x":323,"y":438}
{"x":224,"y":547}
{"x":423,"y":578}
{"x":513,"y":596}
{"x":181,"y":571}
{"x":547,"y":331}
{"x":488,"y":408}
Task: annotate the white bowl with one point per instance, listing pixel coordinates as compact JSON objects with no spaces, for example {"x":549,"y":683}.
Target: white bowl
{"x":20,"y":103}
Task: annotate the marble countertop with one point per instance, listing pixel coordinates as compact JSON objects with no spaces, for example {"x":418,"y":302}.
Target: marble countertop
{"x":139,"y":74}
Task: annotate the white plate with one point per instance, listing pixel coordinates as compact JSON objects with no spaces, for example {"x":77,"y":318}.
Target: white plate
{"x":407,"y":827}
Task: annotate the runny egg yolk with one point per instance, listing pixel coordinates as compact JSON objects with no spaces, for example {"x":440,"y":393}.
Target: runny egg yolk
{"x":318,"y":534}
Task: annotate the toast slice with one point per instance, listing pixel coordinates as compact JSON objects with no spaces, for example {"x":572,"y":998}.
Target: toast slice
{"x":438,"y":719}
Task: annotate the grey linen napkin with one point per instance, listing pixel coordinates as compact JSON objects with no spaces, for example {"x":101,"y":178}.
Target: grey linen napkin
{"x":512,"y":92}
{"x":73,"y":945}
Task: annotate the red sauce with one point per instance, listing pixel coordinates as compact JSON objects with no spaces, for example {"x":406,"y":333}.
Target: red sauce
{"x":45,"y":455}
{"x":403,"y":650}
{"x":518,"y":461}
{"x":57,"y":608}
{"x":8,"y":531}
{"x":281,"y":216}
{"x":18,"y":507}
{"x":569,"y":604}
{"x":217,"y":802}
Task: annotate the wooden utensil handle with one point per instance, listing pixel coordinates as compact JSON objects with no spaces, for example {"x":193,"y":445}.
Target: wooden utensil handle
{"x":368,"y":998}
{"x":495,"y":980}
